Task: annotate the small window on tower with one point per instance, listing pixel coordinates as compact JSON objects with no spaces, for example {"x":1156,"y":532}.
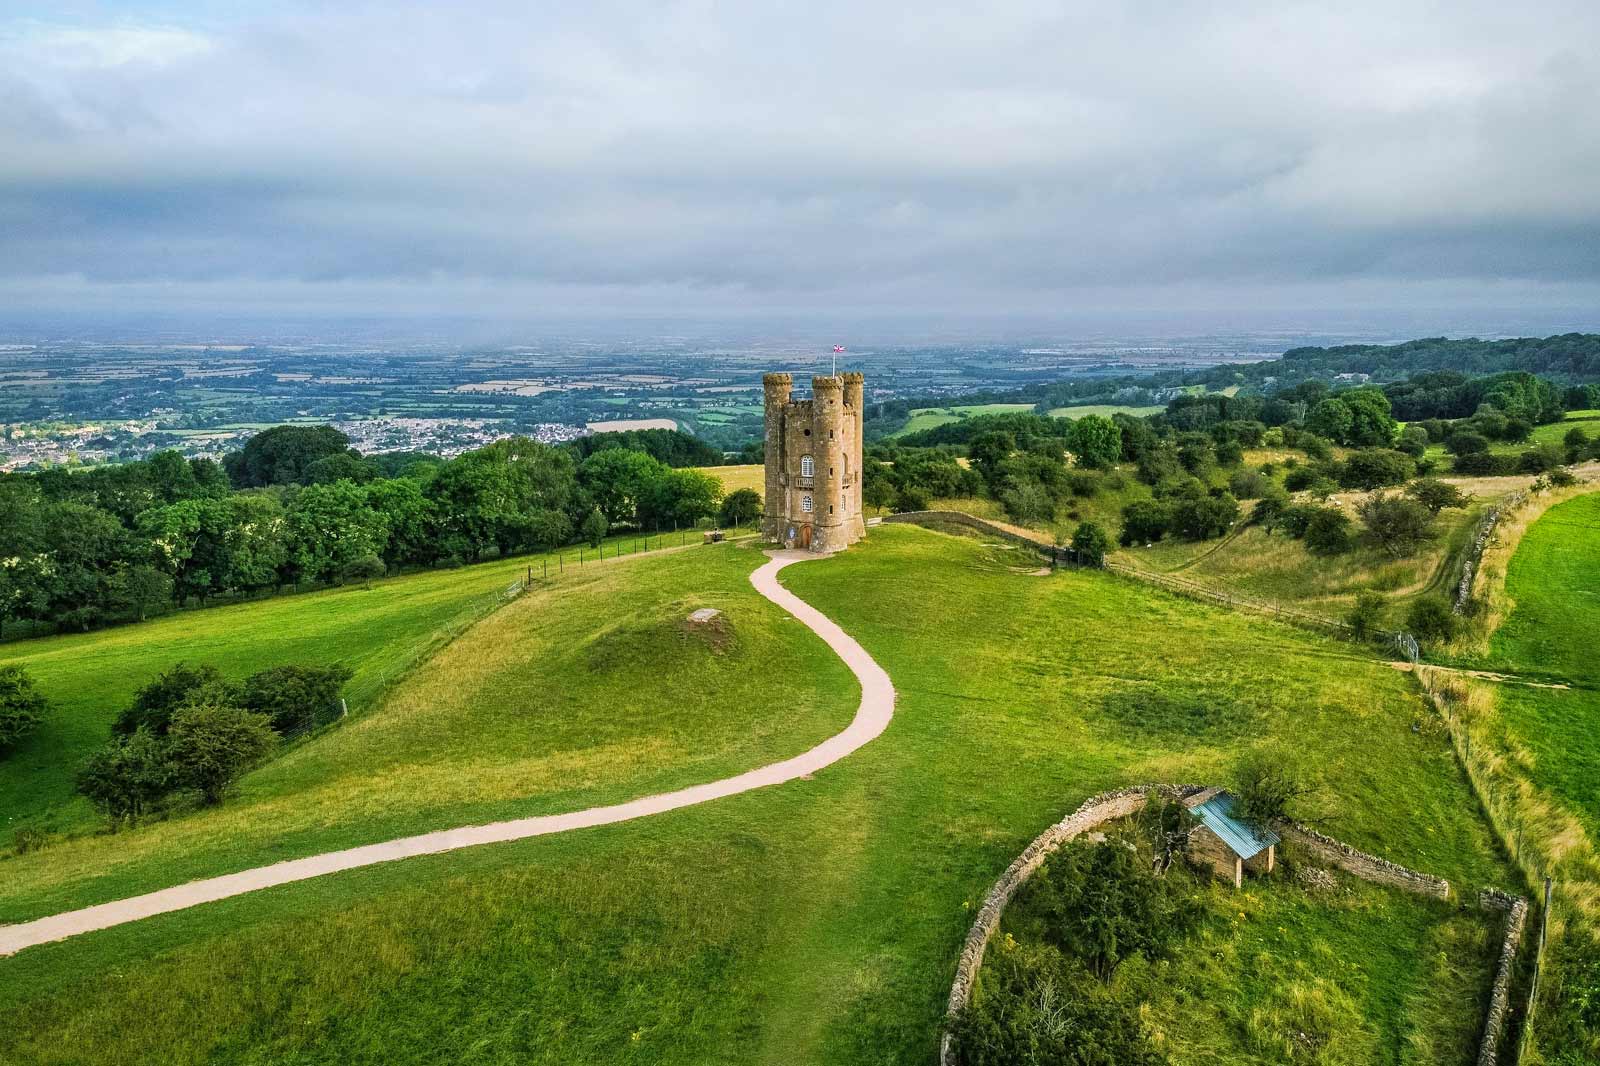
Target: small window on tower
{"x":807,"y":466}
{"x":805,"y":504}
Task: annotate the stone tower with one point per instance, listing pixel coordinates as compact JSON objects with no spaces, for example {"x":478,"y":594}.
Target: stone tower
{"x":813,"y":450}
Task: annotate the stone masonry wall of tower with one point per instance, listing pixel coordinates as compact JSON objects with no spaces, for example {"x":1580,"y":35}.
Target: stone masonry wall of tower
{"x":813,"y":463}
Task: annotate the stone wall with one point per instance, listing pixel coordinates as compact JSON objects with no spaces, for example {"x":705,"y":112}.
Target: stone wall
{"x":1119,"y":803}
{"x":1105,"y":807}
{"x":1516,"y":911}
{"x":1367,"y":867}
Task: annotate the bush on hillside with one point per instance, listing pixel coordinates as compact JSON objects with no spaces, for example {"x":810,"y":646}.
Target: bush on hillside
{"x":1026,"y":500}
{"x":1328,"y":532}
{"x":294,"y":699}
{"x":741,"y":507}
{"x":362,"y":568}
{"x":1541,"y":459}
{"x":1091,"y":543}
{"x":1144,"y":522}
{"x":1039,"y":1007}
{"x":127,"y":777}
{"x":1204,"y":517}
{"x":1374,"y":468}
{"x":1366,"y":616}
{"x":22,"y":706}
{"x":210,"y":746}
{"x":181,"y":684}
{"x":1484,"y":464}
{"x":1268,"y":784}
{"x":1250,"y":484}
{"x":1431,"y":621}
{"x":1396,"y":525}
{"x":594,"y":526}
{"x":910,"y":498}
{"x":1435,"y":495}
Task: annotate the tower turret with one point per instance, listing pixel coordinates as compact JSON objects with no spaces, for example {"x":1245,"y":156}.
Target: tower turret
{"x":776,"y":389}
{"x":828,"y":420}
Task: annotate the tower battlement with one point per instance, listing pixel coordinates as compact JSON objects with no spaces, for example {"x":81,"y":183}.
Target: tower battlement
{"x":813,"y":463}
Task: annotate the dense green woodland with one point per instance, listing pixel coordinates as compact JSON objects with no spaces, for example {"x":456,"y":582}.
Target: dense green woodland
{"x":298,"y":506}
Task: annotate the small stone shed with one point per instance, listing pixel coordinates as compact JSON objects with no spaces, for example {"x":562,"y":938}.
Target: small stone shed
{"x":1227,"y":845}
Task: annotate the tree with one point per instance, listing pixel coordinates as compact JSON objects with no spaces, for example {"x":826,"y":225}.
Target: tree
{"x":22,"y":706}
{"x":910,"y":498}
{"x":1366,"y":616}
{"x":1396,"y":525}
{"x":1145,"y":522}
{"x":1202,"y":517}
{"x":295,"y":698}
{"x":1331,"y":418}
{"x":1028,"y":501}
{"x":347,"y":465}
{"x":1466,"y":442}
{"x":330,"y":527}
{"x":212,"y":745}
{"x":1267,"y":784}
{"x":877,"y":490}
{"x":361,"y":569}
{"x":282,"y":455}
{"x":1435,"y":495}
{"x":127,"y":776}
{"x":1372,"y":468}
{"x":1095,"y":442}
{"x":409,"y":520}
{"x":1328,"y":531}
{"x":619,"y":480}
{"x":988,"y":451}
{"x":594,"y":526}
{"x":138,"y":590}
{"x":1431,"y":620}
{"x":1100,"y":904}
{"x":680,"y":498}
{"x":1091,"y":543}
{"x":86,"y":547}
{"x":179,"y":685}
{"x":741,"y":507}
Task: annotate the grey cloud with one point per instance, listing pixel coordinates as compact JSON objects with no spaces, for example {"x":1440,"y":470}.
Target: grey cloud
{"x":791,"y":153}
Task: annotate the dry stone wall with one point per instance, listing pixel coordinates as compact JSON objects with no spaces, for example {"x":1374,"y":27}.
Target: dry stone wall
{"x":1367,"y":867}
{"x":1106,"y":807}
{"x":1516,"y":911}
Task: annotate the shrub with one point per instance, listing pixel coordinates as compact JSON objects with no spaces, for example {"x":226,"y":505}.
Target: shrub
{"x":1435,"y":495}
{"x":1250,"y":484}
{"x":1268,"y":511}
{"x":1484,"y":464}
{"x":910,"y":498}
{"x":1466,"y":442}
{"x":1083,"y":483}
{"x":22,"y":706}
{"x":1268,"y":783}
{"x":1561,"y":477}
{"x":1296,"y":518}
{"x":211,"y":746}
{"x":1366,"y":616}
{"x":1101,"y":904}
{"x":1204,"y":517}
{"x":1374,"y":468}
{"x":1028,"y":501}
{"x":363,"y":568}
{"x":1091,"y":543}
{"x":1431,"y":621}
{"x":1413,"y":441}
{"x":296,"y":698}
{"x":154,"y":704}
{"x":1396,"y":525}
{"x":1328,"y":532}
{"x":127,"y":777}
{"x":1038,"y":1007}
{"x":595,"y":525}
{"x":1229,"y":453}
{"x":739,"y":508}
{"x":1540,"y":459}
{"x":1145,"y":522}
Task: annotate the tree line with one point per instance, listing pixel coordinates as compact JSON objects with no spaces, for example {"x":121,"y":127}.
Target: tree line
{"x":297,"y":505}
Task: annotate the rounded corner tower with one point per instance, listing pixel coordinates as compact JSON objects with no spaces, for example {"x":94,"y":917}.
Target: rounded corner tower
{"x":813,"y":463}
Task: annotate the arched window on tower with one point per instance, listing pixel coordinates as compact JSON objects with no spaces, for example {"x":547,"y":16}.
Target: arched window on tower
{"x":808,"y":466}
{"x":805,"y":504}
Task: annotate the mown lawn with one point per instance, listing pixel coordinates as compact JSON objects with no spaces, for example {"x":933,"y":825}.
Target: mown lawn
{"x":813,"y":922}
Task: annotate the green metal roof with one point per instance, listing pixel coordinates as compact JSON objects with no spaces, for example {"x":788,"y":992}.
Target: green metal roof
{"x":1246,"y":842}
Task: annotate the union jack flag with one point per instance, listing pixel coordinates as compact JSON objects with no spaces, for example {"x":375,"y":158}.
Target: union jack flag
{"x":838,"y":348}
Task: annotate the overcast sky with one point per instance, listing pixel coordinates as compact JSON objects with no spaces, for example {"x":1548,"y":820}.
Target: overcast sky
{"x":525,"y":158}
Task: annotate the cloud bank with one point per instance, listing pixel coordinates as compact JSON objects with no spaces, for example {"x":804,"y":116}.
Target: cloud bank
{"x":704,"y":156}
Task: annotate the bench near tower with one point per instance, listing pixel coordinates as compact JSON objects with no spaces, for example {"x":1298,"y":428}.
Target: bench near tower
{"x":813,"y":456}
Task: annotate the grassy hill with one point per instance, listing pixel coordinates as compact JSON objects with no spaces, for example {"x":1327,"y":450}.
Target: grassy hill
{"x":813,"y":922}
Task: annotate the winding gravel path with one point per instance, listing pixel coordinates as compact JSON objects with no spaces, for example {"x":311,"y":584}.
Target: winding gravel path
{"x":872,"y":717}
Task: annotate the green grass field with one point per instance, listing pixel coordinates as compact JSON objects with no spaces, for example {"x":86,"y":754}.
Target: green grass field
{"x":929,"y":417}
{"x":813,"y":922}
{"x":379,"y":630}
{"x":1105,"y":410}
